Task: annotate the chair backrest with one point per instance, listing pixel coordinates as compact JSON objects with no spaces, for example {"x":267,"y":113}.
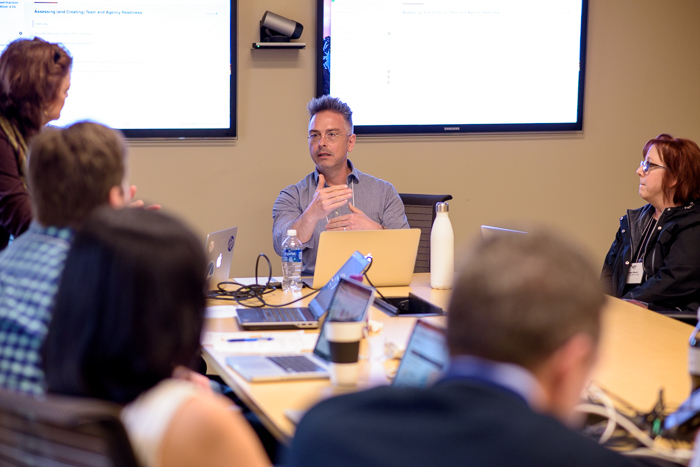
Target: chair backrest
{"x":58,"y":430}
{"x":420,"y":212}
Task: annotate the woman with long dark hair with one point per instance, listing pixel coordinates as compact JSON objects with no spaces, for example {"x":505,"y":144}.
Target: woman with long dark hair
{"x":126,"y":324}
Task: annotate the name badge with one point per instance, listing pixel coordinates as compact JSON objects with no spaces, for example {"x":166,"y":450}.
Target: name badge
{"x":636,"y":273}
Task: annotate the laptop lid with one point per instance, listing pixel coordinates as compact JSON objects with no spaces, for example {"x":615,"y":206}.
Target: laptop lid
{"x":219,"y":253}
{"x":260,"y":318}
{"x":488,"y":232}
{"x":393,"y":254}
{"x":426,"y":356}
{"x":351,"y":301}
{"x":355,"y":264}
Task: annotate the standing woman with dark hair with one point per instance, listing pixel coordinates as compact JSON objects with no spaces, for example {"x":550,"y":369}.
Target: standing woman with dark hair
{"x":655,"y":258}
{"x":34,"y":82}
{"x":126,"y":324}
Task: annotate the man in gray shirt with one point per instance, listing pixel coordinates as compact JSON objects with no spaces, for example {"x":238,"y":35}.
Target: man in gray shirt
{"x":335,"y":196}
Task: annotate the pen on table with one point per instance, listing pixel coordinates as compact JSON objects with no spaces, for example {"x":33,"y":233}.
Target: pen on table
{"x":250,"y":339}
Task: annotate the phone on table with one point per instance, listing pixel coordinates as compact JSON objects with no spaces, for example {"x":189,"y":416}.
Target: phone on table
{"x":413,"y":305}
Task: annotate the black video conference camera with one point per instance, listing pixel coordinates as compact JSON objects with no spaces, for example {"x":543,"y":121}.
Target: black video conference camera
{"x":276,"y":28}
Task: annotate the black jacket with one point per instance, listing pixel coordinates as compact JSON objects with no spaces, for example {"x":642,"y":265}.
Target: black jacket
{"x":671,"y":263}
{"x":455,"y":423}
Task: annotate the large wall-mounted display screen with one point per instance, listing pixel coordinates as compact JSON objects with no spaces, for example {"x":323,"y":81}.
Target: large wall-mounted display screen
{"x":152,"y":68}
{"x":451,"y":66}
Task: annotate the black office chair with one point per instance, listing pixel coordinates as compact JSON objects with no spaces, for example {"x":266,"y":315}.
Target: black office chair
{"x":687,"y":317}
{"x":60,"y":430}
{"x":420,"y":212}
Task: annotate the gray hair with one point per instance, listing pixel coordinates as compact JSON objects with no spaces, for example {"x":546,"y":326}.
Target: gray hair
{"x":519,"y":299}
{"x":332,"y":104}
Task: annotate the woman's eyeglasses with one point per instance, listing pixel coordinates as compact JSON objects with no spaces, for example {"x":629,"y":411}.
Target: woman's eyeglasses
{"x":649,"y":166}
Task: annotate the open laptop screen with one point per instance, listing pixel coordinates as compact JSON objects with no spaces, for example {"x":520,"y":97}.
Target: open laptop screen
{"x":425,"y":358}
{"x":354,"y":265}
{"x":350,"y":302}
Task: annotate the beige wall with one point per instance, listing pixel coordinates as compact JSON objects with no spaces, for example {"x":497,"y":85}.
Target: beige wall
{"x":643,"y":78}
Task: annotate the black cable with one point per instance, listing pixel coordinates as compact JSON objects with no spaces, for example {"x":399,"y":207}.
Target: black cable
{"x":371,"y":260}
{"x":254,"y":291}
{"x":269,"y":268}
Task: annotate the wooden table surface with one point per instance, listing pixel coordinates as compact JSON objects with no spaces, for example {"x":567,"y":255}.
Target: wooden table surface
{"x":641,"y":352}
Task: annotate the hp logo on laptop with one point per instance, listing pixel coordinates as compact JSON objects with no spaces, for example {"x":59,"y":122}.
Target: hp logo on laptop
{"x":230,"y":243}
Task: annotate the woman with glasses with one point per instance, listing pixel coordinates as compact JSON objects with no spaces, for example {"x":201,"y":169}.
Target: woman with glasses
{"x":127,"y":322}
{"x":34,"y":82}
{"x":655,"y":258}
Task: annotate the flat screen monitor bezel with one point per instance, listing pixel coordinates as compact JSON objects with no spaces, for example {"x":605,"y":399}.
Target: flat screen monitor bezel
{"x":457,"y":128}
{"x":231,"y":132}
{"x":203,"y":133}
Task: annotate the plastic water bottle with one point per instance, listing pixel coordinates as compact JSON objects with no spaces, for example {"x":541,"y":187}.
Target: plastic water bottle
{"x":442,"y":249}
{"x":291,"y":262}
{"x":694,"y":357}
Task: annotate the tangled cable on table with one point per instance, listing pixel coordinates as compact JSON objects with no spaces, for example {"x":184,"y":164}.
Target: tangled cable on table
{"x":257,"y":291}
{"x":254,"y":291}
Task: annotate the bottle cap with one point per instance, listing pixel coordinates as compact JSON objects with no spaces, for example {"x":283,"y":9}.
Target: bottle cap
{"x":442,"y":207}
{"x":291,"y":233}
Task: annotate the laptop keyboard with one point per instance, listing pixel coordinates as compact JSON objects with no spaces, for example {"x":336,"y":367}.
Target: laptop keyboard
{"x":295,"y":364}
{"x":282,"y":314}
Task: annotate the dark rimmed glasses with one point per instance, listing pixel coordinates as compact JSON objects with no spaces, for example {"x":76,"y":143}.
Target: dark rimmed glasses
{"x":649,"y":166}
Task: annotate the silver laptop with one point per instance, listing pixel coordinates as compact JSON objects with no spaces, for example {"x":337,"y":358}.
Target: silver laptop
{"x":426,"y":357}
{"x":488,"y":232}
{"x":393,"y":254}
{"x":256,"y":319}
{"x":351,"y":302}
{"x":219,"y":253}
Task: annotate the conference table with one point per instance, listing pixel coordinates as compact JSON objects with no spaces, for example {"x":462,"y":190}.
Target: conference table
{"x":641,"y":352}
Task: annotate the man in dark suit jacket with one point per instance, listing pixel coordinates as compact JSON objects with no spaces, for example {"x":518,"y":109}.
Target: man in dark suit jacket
{"x":523,"y":329}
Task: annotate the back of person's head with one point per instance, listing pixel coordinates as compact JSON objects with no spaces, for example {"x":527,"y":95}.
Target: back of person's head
{"x":681,"y":157}
{"x":71,"y":171}
{"x":331,"y":104}
{"x":31,"y":71}
{"x":129,"y":307}
{"x":519,"y":299}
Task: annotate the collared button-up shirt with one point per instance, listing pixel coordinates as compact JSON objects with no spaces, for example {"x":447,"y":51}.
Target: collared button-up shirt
{"x":30,"y":270}
{"x":377,"y":198}
{"x":507,"y":376}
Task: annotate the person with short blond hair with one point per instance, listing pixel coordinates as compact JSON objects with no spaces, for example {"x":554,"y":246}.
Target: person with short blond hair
{"x":71,"y":172}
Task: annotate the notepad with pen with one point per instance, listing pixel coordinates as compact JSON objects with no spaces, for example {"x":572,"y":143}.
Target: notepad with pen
{"x":260,"y":342}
